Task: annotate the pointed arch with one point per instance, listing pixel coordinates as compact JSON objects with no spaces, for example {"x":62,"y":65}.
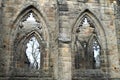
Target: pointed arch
{"x":94,"y":48}
{"x":37,"y":15}
{"x":94,"y":37}
{"x":26,"y":10}
{"x":22,"y":36}
{"x":28,"y":35}
{"x":98,"y":30}
{"x":21,"y":48}
{"x":94,"y":21}
{"x":33,"y":33}
{"x":78,"y":55}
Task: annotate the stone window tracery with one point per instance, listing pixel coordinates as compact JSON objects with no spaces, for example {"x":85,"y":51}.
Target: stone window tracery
{"x":29,"y":43}
{"x":93,"y":53}
{"x":29,"y":52}
{"x":30,"y":21}
{"x":87,"y":49}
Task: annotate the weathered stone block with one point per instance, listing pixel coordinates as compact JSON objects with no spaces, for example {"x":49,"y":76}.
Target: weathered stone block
{"x":60,"y":21}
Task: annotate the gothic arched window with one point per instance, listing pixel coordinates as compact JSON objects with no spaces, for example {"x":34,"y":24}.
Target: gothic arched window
{"x":29,"y":52}
{"x":96,"y":49}
{"x":31,"y":44}
{"x":31,"y":40}
{"x":33,"y":53}
{"x":87,"y":53}
{"x":93,"y":54}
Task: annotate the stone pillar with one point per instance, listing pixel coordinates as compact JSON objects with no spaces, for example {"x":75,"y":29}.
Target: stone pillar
{"x":46,"y":59}
{"x":2,"y":69}
{"x":64,"y":62}
{"x":0,"y":15}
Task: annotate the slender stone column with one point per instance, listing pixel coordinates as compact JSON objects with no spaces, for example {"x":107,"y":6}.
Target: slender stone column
{"x":64,"y":42}
{"x":64,"y":62}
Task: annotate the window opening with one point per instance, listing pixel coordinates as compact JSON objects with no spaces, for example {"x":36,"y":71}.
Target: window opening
{"x":87,"y":55}
{"x":96,"y":51}
{"x":29,"y":21}
{"x":33,"y":53}
{"x":31,"y":18}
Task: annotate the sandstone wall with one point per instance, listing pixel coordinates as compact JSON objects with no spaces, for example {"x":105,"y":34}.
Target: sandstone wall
{"x":61,"y":18}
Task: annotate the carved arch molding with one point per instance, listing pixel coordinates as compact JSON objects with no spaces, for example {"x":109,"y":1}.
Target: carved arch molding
{"x":31,"y":51}
{"x":89,"y":45}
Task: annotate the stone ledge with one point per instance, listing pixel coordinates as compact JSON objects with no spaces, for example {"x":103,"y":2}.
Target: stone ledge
{"x":89,"y":75}
{"x":25,"y":78}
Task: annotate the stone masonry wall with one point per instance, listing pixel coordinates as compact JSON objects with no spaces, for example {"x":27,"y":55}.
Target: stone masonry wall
{"x":61,"y":18}
{"x":104,"y":11}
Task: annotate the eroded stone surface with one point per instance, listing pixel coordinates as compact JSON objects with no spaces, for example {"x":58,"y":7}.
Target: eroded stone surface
{"x":60,"y":29}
